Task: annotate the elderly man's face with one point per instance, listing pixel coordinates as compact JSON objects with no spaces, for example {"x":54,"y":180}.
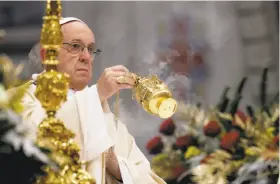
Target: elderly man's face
{"x":74,"y":61}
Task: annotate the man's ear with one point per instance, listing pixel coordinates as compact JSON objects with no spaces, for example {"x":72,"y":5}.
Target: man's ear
{"x":42,"y":54}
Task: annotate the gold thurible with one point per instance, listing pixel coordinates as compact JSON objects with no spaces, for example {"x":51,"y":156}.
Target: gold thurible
{"x":51,"y":91}
{"x":152,"y":94}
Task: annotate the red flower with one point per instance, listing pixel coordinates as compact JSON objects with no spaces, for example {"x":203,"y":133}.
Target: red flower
{"x":230,"y":139}
{"x":184,"y":142}
{"x":212,"y":129}
{"x":155,"y":145}
{"x":275,"y":141}
{"x":241,"y":115}
{"x":167,"y":127}
{"x":205,"y":159}
{"x":178,"y":170}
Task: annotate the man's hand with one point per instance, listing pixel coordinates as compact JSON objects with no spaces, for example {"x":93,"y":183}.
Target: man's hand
{"x":107,"y":84}
{"x":112,"y":164}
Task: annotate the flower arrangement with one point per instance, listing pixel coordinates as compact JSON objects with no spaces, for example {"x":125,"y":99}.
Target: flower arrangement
{"x":21,"y":161}
{"x":220,"y":145}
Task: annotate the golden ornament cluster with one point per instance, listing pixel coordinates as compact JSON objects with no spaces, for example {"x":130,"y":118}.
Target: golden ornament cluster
{"x":152,"y":94}
{"x":51,"y":91}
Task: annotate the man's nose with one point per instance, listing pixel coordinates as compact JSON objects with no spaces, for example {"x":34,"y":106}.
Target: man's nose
{"x":86,"y":55}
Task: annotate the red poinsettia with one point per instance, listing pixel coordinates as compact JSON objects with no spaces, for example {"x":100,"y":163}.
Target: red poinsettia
{"x":275,"y":142}
{"x":241,"y":115}
{"x":205,"y":159}
{"x":230,"y":139}
{"x":155,"y":145}
{"x":184,"y":142}
{"x":212,"y":129}
{"x":178,"y":170}
{"x":167,"y":127}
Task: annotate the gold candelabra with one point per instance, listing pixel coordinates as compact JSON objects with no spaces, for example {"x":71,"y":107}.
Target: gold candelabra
{"x":152,"y":94}
{"x":51,"y":91}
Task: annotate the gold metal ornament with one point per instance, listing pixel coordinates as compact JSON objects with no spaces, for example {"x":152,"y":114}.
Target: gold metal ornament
{"x":51,"y":91}
{"x":152,"y":94}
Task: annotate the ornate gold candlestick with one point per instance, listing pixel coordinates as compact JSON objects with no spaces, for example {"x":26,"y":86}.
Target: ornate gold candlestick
{"x":51,"y":91}
{"x":152,"y":94}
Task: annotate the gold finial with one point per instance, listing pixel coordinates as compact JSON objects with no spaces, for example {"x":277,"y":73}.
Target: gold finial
{"x":51,"y":91}
{"x":152,"y":94}
{"x":51,"y":35}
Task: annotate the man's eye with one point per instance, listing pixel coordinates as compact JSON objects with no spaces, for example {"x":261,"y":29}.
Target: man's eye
{"x":76,"y":46}
{"x":91,"y":49}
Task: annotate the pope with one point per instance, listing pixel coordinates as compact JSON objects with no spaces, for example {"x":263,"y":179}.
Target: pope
{"x":87,"y":113}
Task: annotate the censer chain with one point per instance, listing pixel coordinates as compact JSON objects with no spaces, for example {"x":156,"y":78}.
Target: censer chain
{"x":117,"y":107}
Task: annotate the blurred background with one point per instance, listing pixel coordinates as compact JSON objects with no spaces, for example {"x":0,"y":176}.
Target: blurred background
{"x":197,"y":48}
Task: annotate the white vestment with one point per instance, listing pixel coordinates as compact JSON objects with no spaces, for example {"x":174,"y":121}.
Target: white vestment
{"x":95,"y":133}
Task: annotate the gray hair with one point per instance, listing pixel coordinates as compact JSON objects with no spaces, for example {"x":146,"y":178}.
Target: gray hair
{"x":33,"y":65}
{"x":34,"y":59}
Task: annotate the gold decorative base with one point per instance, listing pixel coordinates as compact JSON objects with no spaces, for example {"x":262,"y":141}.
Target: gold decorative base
{"x":154,"y":96}
{"x":69,"y":174}
{"x":55,"y":136}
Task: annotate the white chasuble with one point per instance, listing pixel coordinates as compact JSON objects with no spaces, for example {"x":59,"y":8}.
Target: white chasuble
{"x":95,"y":132}
{"x":82,"y":113}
